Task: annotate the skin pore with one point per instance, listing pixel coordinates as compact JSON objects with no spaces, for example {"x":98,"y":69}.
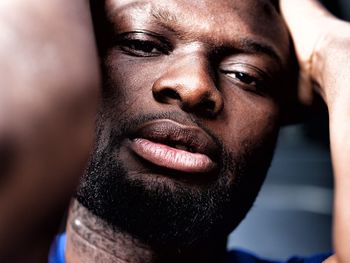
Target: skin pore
{"x":186,"y":130}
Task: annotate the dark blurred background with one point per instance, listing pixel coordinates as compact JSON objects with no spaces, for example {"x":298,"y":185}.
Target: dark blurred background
{"x":293,"y":212}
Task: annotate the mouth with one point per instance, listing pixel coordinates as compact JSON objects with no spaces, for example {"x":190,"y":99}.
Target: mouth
{"x":171,"y":145}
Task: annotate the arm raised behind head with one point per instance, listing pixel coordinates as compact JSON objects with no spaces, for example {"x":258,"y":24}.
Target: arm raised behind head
{"x":48,"y":98}
{"x":322,"y":45}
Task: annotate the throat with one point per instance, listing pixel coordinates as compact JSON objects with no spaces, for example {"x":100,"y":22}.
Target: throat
{"x":91,"y":240}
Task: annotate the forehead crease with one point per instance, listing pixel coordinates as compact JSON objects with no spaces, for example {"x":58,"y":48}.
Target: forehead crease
{"x":211,"y":28}
{"x":206,"y":7}
{"x":215,"y":22}
{"x":202,"y":16}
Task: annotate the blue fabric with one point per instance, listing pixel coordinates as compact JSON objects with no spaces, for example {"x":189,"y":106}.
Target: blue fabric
{"x":240,"y":256}
{"x":58,"y":249}
{"x":233,"y":256}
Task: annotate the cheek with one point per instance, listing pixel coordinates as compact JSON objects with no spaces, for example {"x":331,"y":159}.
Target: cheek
{"x":133,"y":72}
{"x":129,"y":83}
{"x":249,"y":120}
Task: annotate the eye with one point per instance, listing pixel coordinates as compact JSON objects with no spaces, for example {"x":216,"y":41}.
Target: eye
{"x":243,"y":77}
{"x":142,"y":45}
{"x":141,"y":48}
{"x":247,"y":77}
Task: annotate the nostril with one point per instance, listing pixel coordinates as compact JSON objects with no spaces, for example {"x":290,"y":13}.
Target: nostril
{"x":172,"y":94}
{"x":167,"y":94}
{"x":207,"y":105}
{"x":205,"y":108}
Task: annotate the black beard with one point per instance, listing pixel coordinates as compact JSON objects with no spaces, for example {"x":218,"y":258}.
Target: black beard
{"x":173,"y":217}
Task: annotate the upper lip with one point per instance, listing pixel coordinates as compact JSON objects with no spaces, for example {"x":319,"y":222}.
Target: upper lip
{"x":174,"y":134}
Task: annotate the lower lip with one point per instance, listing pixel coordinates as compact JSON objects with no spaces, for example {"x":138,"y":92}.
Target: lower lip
{"x":172,"y":158}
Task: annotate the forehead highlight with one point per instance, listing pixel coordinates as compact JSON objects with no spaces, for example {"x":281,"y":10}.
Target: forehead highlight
{"x":238,"y":20}
{"x":208,"y":9}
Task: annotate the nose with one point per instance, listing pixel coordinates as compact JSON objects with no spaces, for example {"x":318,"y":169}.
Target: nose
{"x":189,"y":84}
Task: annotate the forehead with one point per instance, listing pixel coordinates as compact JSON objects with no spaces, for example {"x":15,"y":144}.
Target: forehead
{"x":216,"y":22}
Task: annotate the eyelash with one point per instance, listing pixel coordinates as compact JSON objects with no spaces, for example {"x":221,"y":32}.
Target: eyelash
{"x":142,"y":48}
{"x":250,"y":82}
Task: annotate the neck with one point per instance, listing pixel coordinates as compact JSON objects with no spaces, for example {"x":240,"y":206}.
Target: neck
{"x":90,"y":239}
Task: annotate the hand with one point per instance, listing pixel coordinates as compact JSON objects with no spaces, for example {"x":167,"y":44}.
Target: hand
{"x":322,"y":45}
{"x":48,"y":98}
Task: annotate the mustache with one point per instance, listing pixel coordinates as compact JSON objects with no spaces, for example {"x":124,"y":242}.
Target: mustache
{"x":126,"y":125}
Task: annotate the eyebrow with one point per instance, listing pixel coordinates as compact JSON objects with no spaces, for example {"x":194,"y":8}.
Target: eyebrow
{"x":249,"y":45}
{"x":171,"y":22}
{"x":163,"y":16}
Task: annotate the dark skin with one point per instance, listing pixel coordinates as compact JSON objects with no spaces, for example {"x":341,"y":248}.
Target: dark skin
{"x":53,"y":80}
{"x":214,"y":68}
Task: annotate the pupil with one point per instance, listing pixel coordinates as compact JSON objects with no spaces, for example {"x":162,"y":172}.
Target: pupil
{"x":144,"y":47}
{"x":244,"y":78}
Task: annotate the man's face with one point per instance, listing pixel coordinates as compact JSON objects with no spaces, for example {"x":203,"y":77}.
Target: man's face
{"x":189,"y":118}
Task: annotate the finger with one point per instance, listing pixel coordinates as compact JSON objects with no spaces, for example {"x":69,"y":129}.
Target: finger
{"x":306,"y":20}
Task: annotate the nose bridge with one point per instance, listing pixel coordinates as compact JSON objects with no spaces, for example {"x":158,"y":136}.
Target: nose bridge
{"x":193,"y":73}
{"x":190,"y":82}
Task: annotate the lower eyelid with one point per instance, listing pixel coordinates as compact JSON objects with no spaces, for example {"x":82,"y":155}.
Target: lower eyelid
{"x":256,"y":85}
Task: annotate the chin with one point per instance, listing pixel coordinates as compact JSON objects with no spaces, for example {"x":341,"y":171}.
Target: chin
{"x":165,"y":207}
{"x":163,"y":211}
